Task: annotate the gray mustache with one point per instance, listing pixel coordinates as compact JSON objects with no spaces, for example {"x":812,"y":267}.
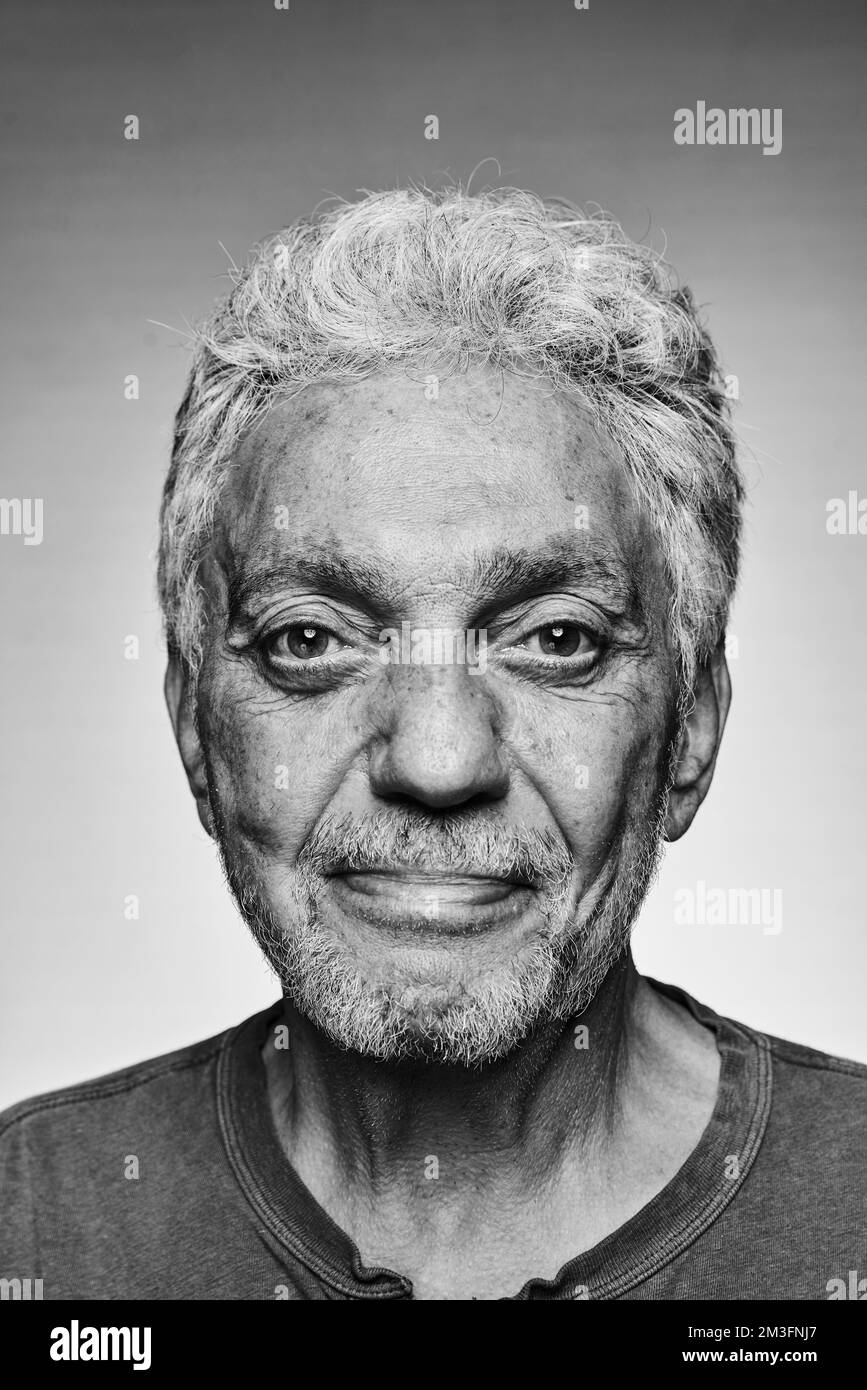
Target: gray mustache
{"x":451,"y":844}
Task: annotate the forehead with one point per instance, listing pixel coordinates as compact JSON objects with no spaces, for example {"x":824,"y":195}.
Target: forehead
{"x":427,"y":477}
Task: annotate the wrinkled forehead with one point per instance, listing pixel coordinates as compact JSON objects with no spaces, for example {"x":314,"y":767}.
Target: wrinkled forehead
{"x":426,"y":478}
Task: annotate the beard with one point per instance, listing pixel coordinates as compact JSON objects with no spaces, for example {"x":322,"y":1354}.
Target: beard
{"x":550,"y":981}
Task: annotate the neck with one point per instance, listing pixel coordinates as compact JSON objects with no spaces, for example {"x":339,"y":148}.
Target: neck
{"x":537,"y":1157}
{"x":368,"y":1121}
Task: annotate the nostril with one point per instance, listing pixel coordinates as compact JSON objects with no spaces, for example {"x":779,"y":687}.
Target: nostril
{"x":445,"y":801}
{"x":397,"y":776}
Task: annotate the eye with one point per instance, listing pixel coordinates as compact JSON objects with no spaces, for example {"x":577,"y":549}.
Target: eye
{"x":561,"y":640}
{"x":302,"y":642}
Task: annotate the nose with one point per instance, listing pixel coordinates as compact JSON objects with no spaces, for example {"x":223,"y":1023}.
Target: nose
{"x":439,"y":741}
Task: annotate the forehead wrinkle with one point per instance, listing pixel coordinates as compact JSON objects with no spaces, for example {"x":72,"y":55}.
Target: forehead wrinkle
{"x":426,"y":436}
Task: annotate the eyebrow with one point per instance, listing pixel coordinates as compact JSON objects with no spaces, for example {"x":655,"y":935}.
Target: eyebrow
{"x":322,"y":571}
{"x":497,"y":577}
{"x":557,"y":564}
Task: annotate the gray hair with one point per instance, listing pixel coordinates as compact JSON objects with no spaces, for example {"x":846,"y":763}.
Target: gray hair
{"x":499,"y":278}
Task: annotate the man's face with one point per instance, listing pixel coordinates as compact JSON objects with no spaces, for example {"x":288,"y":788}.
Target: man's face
{"x":439,"y":842}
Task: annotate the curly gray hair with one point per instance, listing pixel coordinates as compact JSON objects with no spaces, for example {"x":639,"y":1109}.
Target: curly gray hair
{"x":500,"y":278}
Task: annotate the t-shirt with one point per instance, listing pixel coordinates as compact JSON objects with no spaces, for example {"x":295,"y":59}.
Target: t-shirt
{"x":168,"y":1181}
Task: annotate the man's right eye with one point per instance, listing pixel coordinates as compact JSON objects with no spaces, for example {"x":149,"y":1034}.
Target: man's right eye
{"x":302,"y":642}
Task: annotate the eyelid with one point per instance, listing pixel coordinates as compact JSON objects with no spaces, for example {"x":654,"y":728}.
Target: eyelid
{"x":284,"y":608}
{"x":581,"y":664}
{"x":286,"y":671}
{"x":285,"y":628}
{"x":326,"y":620}
{"x":576,"y":659}
{"x":267,"y":640}
{"x":595,"y":625}
{"x":584,"y":628}
{"x":269,"y":632}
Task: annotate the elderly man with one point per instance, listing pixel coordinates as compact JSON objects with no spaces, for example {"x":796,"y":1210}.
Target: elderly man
{"x":448,"y":544}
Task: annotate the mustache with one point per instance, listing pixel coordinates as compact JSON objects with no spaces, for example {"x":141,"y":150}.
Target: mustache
{"x":399,"y":841}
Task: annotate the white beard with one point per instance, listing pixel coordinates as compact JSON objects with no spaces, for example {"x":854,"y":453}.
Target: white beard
{"x":554,"y":979}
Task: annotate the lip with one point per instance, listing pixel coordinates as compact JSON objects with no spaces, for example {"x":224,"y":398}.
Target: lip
{"x":467,"y":902}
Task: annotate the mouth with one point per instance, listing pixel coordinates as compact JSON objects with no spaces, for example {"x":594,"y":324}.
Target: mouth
{"x":460,"y":902}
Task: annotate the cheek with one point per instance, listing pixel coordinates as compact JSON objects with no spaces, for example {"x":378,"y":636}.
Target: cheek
{"x":274,"y":766}
{"x":594,"y":762}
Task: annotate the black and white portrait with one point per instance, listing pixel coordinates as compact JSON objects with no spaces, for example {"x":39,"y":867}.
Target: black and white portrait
{"x":434,"y":534}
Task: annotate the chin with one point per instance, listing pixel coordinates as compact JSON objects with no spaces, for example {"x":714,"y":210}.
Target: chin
{"x":425,"y":1006}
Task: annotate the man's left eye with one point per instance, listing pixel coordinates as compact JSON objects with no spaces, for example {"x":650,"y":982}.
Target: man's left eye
{"x":302,"y":642}
{"x":560,"y":639}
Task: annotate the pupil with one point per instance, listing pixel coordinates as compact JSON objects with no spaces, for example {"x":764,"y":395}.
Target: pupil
{"x":306,"y":642}
{"x":560,"y":639}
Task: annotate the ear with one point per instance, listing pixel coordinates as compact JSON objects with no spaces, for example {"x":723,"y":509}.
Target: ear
{"x":699,"y":743}
{"x":178,"y":687}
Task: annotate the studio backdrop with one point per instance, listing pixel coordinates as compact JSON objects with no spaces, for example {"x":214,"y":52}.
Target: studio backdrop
{"x":145,"y":148}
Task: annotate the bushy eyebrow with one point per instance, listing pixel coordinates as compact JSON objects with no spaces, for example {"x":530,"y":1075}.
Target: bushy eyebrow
{"x":496,"y":578}
{"x":331,"y":572}
{"x":559,"y":564}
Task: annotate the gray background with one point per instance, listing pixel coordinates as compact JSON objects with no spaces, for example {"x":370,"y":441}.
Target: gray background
{"x":249,"y":116}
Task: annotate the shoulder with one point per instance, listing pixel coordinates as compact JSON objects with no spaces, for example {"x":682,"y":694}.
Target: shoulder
{"x":819,"y":1092}
{"x":810,"y":1166}
{"x":93,"y":1177}
{"x":816,"y":1102}
{"x":160,"y":1112}
{"x":148,"y":1087}
{"x":63,"y":1155}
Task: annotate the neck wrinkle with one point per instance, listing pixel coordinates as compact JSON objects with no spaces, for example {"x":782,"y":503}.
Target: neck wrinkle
{"x":353,"y":1123}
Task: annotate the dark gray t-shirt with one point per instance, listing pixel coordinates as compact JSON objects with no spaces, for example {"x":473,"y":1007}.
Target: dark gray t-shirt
{"x":167,"y":1181}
